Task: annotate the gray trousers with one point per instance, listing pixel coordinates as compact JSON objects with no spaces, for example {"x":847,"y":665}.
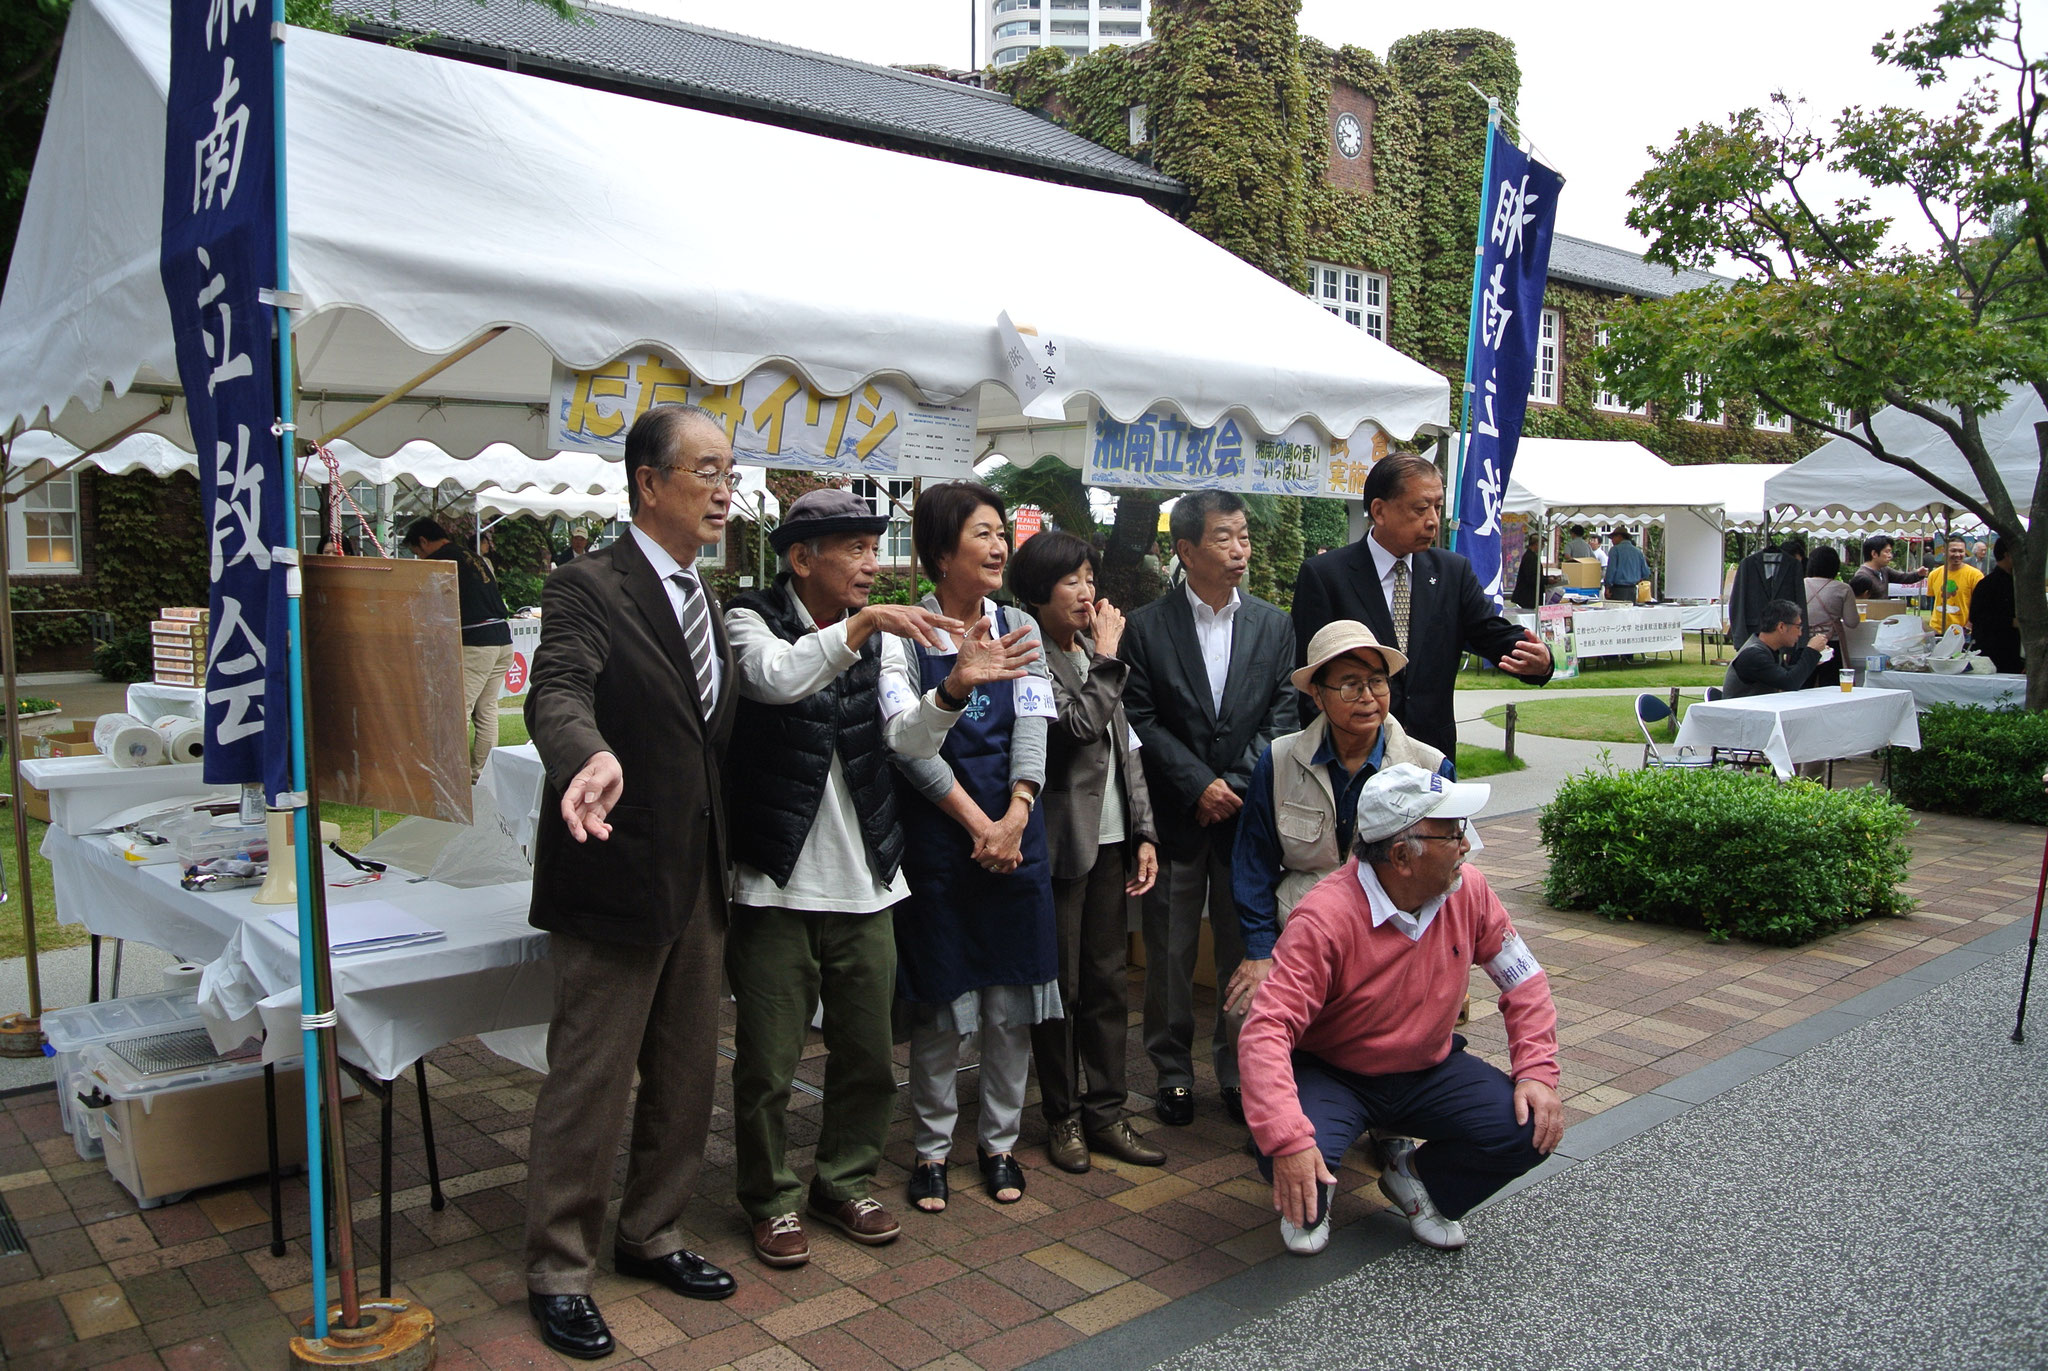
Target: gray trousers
{"x":1081,"y":1057}
{"x":1173,"y":935}
{"x":935,"y":1088}
{"x":618,"y":1008}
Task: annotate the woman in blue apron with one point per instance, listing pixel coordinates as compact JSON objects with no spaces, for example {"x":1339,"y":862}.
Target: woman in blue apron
{"x":976,"y":949}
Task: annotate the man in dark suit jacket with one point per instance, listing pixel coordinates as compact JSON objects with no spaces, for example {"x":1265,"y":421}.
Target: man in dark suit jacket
{"x":630,"y":706}
{"x":1208,"y":691}
{"x":1448,"y":613}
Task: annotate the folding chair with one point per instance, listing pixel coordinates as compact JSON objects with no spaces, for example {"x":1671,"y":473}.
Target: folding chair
{"x":1747,"y":758}
{"x":1651,"y":709}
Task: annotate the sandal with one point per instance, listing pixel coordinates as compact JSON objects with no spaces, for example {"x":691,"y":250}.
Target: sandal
{"x":1000,"y":1173}
{"x":928,"y":1182}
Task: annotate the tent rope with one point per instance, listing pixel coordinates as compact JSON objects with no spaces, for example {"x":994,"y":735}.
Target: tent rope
{"x":336,"y":487}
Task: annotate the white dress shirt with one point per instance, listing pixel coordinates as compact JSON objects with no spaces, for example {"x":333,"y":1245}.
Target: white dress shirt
{"x":1384,"y":908}
{"x":1384,"y":563}
{"x":1215,"y":629}
{"x":667,"y":567}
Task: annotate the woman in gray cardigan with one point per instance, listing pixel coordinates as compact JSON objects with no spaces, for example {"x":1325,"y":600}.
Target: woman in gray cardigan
{"x":1098,"y":825}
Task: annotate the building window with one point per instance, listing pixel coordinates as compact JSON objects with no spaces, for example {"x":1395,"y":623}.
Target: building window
{"x":1696,"y":409}
{"x":1607,"y":399}
{"x":1359,"y":298}
{"x":1006,"y":6}
{"x":42,"y":526}
{"x":1070,"y":50}
{"x":890,"y":500}
{"x":1114,"y":30}
{"x":1842,"y":417}
{"x":1018,"y":28}
{"x":1010,"y":57}
{"x":1543,"y":380}
{"x":1070,"y":28}
{"x":1769,"y":421}
{"x":1139,"y":133}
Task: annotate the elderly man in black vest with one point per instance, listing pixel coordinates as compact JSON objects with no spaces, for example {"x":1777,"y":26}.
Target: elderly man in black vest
{"x":825,"y":693}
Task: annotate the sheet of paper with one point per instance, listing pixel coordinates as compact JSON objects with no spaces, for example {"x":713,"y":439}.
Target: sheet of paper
{"x":362,"y":927}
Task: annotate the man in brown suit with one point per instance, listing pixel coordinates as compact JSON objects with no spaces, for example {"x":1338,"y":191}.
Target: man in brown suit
{"x":630,"y":705}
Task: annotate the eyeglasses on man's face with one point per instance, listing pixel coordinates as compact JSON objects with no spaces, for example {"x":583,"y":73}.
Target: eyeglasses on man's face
{"x":729,"y":477}
{"x":1464,"y":829}
{"x":1352,"y":689}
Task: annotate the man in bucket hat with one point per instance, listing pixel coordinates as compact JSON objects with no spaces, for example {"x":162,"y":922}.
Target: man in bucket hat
{"x":1352,"y":1031}
{"x":826,"y":691}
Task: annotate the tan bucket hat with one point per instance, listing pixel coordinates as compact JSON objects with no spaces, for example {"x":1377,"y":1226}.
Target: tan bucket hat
{"x":1336,"y":638}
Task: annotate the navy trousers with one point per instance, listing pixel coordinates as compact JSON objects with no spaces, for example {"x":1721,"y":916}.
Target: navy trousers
{"x":1462,"y":1107}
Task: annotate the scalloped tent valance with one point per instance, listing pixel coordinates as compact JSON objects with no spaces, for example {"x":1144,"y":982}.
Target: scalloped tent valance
{"x":433,"y":200}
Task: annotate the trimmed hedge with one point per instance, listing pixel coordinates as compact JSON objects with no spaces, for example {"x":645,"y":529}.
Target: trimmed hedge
{"x":1986,"y":762}
{"x":1731,"y":852}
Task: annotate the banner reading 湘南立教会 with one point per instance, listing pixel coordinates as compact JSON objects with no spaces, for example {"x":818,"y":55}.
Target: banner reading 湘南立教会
{"x":772,"y":417}
{"x":1161,"y":450}
{"x":1516,"y":215}
{"x":219,"y":250}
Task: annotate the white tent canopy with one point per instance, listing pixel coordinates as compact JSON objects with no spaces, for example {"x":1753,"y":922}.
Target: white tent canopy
{"x":1608,"y":482}
{"x":1842,"y":476}
{"x":432,"y":200}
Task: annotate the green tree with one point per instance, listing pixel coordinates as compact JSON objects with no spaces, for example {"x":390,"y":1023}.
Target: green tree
{"x":1835,"y":315}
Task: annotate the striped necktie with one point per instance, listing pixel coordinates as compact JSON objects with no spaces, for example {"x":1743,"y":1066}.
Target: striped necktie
{"x":1400,"y":606}
{"x":697,"y":632}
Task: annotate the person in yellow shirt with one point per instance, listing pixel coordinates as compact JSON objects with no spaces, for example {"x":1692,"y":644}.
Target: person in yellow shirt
{"x":1951,"y":586}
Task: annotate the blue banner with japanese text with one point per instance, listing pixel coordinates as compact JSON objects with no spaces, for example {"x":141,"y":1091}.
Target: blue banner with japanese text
{"x":219,"y":250}
{"x":1516,"y":216}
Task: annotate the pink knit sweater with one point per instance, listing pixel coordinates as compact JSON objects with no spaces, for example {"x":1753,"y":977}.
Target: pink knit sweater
{"x":1368,"y":1000}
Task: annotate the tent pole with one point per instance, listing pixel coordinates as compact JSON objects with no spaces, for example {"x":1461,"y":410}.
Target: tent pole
{"x":163,"y":408}
{"x":23,"y":877}
{"x":393,"y":397}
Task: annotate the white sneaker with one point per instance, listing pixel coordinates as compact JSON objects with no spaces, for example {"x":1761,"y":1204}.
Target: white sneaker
{"x":1400,"y":1184}
{"x":1306,"y":1242}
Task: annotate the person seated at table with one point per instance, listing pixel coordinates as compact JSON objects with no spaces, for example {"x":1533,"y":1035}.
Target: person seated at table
{"x":1353,"y":1030}
{"x":1830,"y":608}
{"x":1773,"y":660}
{"x":1298,"y":812}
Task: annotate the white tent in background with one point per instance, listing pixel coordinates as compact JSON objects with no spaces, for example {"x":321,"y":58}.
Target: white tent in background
{"x":1584,"y":481}
{"x":433,"y":201}
{"x":1840,"y":476}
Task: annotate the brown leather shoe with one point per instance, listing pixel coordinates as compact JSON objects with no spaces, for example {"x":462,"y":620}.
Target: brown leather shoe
{"x":1066,"y":1147}
{"x":864,"y":1220}
{"x":1119,"y":1141}
{"x":780,"y":1240}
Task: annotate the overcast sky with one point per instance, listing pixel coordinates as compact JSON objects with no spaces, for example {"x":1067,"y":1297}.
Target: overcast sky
{"x":1601,"y":79}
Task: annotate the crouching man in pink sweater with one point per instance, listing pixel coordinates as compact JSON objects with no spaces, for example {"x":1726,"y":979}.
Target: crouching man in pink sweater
{"x":1351,"y":1031}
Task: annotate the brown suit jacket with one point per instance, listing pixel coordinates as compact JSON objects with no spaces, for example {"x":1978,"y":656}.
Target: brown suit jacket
{"x":613,"y":674}
{"x":1089,"y":737}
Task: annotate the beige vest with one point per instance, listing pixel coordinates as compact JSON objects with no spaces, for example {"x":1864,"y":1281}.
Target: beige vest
{"x":1305,"y":806}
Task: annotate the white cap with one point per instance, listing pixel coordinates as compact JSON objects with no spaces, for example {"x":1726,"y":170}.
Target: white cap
{"x":1399,"y":795}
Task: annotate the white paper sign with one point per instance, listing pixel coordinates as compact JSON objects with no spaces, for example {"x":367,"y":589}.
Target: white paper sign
{"x":1615,"y":632}
{"x":1037,"y":363}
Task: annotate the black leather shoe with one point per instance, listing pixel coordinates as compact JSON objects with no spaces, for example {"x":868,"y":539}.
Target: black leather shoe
{"x":571,"y":1325}
{"x":1176,"y":1105}
{"x":686,"y":1273}
{"x":1233,"y":1103}
{"x":999,"y":1173}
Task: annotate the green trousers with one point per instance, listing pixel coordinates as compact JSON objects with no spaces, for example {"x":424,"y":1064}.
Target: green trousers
{"x":781,"y":964}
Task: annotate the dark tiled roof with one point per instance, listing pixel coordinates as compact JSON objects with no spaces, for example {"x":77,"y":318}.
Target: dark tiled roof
{"x":752,"y":77}
{"x":1595,"y":264}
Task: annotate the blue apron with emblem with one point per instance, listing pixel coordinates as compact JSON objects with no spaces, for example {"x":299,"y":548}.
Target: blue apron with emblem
{"x":965,"y":927}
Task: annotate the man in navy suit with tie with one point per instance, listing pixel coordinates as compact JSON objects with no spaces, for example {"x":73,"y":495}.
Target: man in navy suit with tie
{"x":1415,"y":597}
{"x":1207,"y":693}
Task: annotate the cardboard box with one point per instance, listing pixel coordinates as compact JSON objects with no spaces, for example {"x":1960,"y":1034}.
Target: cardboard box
{"x":1876,"y":611}
{"x":197,"y":614}
{"x":169,"y":1133}
{"x":173,"y":675}
{"x":75,"y":742}
{"x":1582,"y":572}
{"x":177,"y":628}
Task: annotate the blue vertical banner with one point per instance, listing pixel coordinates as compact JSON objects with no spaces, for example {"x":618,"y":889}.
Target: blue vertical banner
{"x":219,"y":251}
{"x":1517,"y":213}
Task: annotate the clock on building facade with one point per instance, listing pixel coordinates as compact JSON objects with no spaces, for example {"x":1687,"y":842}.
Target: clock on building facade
{"x":1350,"y":135}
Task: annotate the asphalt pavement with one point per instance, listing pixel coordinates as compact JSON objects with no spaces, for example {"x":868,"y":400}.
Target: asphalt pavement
{"x":1877,"y":1200}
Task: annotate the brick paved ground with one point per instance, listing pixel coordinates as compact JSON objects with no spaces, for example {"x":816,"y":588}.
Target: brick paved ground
{"x":193,"y":1287}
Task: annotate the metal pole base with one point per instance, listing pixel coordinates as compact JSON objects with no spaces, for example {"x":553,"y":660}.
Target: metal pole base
{"x":397,"y":1335}
{"x":21,"y":1036}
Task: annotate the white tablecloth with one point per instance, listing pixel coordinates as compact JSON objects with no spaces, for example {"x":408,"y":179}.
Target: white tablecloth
{"x":1991,"y":691}
{"x":1804,"y":725}
{"x":150,"y":701}
{"x":490,"y":973}
{"x":515,"y":776}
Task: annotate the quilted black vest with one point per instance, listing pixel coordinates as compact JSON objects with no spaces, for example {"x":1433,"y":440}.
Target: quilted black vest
{"x":780,"y":758}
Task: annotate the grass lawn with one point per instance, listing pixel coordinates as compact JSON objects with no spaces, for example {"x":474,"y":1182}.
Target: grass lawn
{"x":1595,"y":719}
{"x":1642,"y":674}
{"x":1475,"y":762}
